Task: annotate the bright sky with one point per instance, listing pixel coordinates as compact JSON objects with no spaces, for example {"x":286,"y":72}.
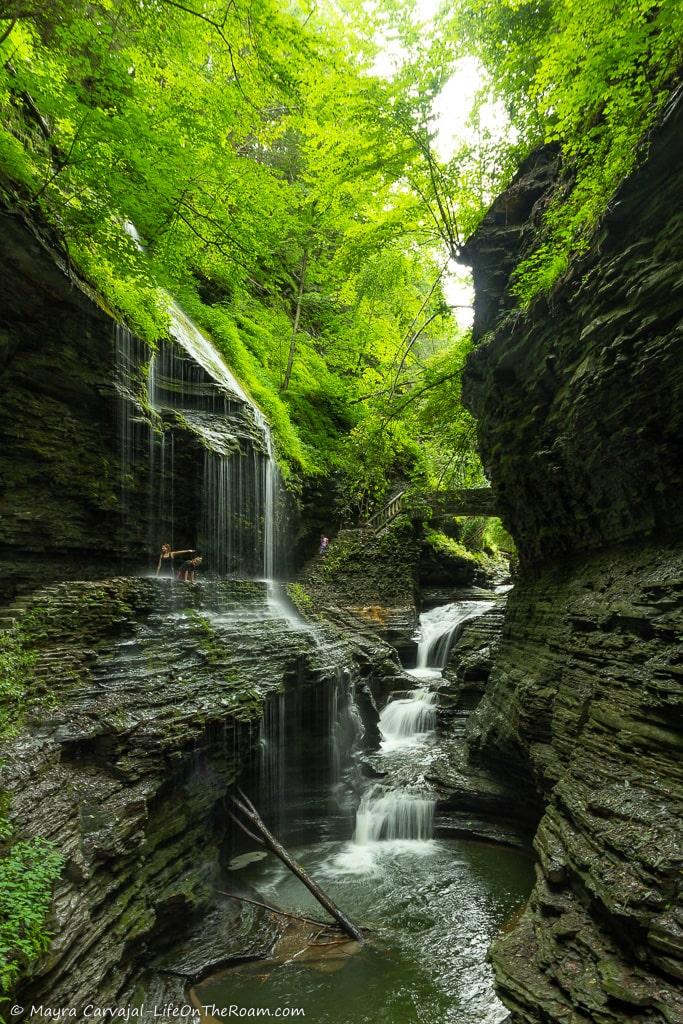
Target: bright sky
{"x":451,"y":111}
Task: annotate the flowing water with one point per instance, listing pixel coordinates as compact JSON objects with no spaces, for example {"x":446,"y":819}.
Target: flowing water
{"x":434,"y":909}
{"x":404,"y":722}
{"x":438,"y":630}
{"x":431,"y":906}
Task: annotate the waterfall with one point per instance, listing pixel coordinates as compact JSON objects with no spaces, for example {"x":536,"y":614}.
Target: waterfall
{"x":437,"y":632}
{"x":137,"y":446}
{"x":272,"y":759}
{"x":405,"y":813}
{"x":403,"y":721}
{"x":270,"y":486}
{"x":189,"y":386}
{"x":393,"y":814}
{"x":124,"y":354}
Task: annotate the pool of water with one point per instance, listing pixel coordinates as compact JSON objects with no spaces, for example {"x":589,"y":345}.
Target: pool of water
{"x":433,"y":907}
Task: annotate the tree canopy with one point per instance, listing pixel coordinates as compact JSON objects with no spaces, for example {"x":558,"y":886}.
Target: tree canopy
{"x":293,"y":199}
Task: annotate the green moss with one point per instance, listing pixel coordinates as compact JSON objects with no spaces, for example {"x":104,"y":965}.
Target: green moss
{"x":300,"y":598}
{"x":16,"y":663}
{"x":209,"y":645}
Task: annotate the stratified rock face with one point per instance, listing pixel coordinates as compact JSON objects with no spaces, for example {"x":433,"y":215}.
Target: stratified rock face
{"x":585,"y":695}
{"x":374,"y":579}
{"x":146,"y":702}
{"x":108,"y":450}
{"x":579,"y":403}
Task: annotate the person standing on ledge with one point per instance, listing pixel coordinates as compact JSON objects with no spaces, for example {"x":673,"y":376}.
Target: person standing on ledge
{"x":166,"y":559}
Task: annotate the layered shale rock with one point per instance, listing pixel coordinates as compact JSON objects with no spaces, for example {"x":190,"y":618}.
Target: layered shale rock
{"x":579,"y":403}
{"x":108,"y":448}
{"x":145,"y":702}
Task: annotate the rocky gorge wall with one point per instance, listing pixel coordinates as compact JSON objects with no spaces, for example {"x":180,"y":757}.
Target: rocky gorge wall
{"x":145,"y":700}
{"x":108,"y":448}
{"x":579,"y":402}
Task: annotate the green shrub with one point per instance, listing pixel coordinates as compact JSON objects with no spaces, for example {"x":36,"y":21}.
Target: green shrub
{"x":27,"y":873}
{"x":16,"y":661}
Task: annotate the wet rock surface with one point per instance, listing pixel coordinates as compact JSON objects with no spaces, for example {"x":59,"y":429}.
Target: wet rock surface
{"x":93,"y":478}
{"x":579,"y":406}
{"x":586,"y":696}
{"x":146,"y":702}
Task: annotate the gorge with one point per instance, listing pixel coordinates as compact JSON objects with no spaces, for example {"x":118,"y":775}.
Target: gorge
{"x":222,"y":331}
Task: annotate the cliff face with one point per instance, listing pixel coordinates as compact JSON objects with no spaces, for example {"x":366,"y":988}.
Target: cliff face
{"x":579,"y":402}
{"x":147,"y":699}
{"x":108,"y":449}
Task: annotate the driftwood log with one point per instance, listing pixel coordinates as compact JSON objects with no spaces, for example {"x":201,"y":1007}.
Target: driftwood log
{"x":262,"y":835}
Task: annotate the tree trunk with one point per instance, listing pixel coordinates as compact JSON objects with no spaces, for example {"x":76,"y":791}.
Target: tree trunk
{"x":295,"y":327}
{"x":245,"y":807}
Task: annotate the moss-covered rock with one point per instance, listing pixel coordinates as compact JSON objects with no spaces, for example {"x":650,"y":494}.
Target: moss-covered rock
{"x":579,"y":402}
{"x":157,"y":693}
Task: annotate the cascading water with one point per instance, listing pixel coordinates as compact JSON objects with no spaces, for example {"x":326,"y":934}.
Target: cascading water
{"x":239,"y":485}
{"x":272,"y":759}
{"x":406,"y":812}
{"x":193,"y":393}
{"x":407,"y":719}
{"x":393,"y":814}
{"x":438,"y":630}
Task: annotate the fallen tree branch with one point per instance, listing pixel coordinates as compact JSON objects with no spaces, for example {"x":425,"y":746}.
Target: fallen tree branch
{"x":247,"y":809}
{"x":281,"y":913}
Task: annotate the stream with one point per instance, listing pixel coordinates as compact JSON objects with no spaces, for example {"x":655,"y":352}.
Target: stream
{"x":435,"y":907}
{"x":432,"y":906}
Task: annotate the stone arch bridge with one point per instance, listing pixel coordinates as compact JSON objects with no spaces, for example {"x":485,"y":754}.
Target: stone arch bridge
{"x":466,"y":501}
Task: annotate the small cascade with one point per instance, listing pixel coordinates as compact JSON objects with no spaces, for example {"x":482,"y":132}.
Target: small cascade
{"x":272,"y":759}
{"x":393,"y":814}
{"x":345,"y":730}
{"x":438,"y":630}
{"x":407,"y":719}
{"x":125,"y":364}
{"x":137,"y":443}
{"x":271,"y":485}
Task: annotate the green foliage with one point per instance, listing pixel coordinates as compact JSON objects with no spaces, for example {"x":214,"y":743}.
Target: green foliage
{"x":475,"y":543}
{"x":590,"y":75}
{"x":298,"y":230}
{"x":300,"y":598}
{"x":291,"y":199}
{"x":28,"y":871}
{"x":496,"y":539}
{"x":16,"y":662}
{"x":443,"y":544}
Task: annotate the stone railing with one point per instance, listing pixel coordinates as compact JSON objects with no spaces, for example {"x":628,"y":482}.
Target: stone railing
{"x":466,"y":501}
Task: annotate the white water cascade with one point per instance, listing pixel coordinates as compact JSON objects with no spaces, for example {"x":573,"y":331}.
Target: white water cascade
{"x":393,"y":814}
{"x":189,"y":385}
{"x":437,"y":631}
{"x":403,"y":813}
{"x":404,"y":722}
